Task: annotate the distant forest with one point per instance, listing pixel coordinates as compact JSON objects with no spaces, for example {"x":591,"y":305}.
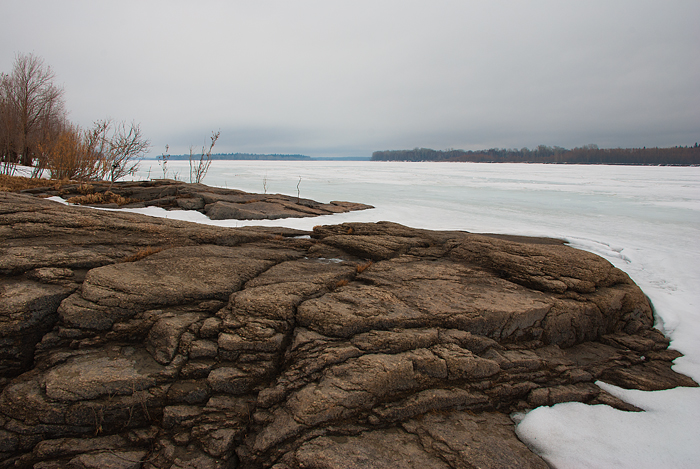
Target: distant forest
{"x":588,"y":154}
{"x":245,"y":156}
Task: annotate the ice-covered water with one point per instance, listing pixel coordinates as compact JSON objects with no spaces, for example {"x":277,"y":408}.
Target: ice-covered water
{"x":645,"y":220}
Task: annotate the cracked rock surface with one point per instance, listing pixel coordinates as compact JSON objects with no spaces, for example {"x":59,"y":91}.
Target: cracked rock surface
{"x":128,"y":341}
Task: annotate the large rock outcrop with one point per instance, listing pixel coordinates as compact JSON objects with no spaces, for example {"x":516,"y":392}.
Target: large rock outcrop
{"x":215,"y":202}
{"x":128,"y":341}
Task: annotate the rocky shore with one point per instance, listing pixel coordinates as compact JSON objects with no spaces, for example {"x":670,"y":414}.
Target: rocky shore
{"x":215,"y":202}
{"x":128,"y":341}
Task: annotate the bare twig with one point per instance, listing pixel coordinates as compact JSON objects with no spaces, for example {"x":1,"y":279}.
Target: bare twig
{"x":198,"y":169}
{"x":163,"y":161}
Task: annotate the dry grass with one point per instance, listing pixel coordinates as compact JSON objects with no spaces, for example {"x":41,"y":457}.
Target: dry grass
{"x":350,"y":231}
{"x":99,"y":198}
{"x":341,"y":283}
{"x":86,"y":189}
{"x":362,"y":267}
{"x":141,"y":254}
{"x":18,"y":183}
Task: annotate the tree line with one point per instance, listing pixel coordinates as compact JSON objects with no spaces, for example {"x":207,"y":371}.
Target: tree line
{"x":587,"y":154}
{"x":35,"y":131}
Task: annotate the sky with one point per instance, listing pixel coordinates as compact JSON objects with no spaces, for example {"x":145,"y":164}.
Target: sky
{"x":346,"y":78}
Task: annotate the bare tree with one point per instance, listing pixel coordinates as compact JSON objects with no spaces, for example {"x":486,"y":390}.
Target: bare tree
{"x":33,"y":108}
{"x":198,"y":169}
{"x":124,"y":150}
{"x":7,"y":121}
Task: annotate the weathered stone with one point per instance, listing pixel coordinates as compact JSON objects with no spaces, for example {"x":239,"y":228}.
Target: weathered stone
{"x":396,"y":341}
{"x":52,"y":275}
{"x":371,"y":450}
{"x":229,"y":380}
{"x":461,"y":439}
{"x":429,"y":401}
{"x":189,"y":392}
{"x":196,"y":369}
{"x":462,"y":364}
{"x":164,"y":337}
{"x":250,"y":211}
{"x":8,"y":442}
{"x":175,"y":195}
{"x":180,"y":415}
{"x":583,"y":392}
{"x":91,"y":376}
{"x":109,"y":460}
{"x":202,"y":347}
{"x":210,"y":328}
{"x":27,"y":312}
{"x":236,"y":343}
{"x":220,"y":442}
{"x":194,"y":203}
{"x":176,"y":276}
{"x":71,"y":446}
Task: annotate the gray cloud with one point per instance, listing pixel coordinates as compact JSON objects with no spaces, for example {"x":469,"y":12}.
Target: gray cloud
{"x":346,"y":78}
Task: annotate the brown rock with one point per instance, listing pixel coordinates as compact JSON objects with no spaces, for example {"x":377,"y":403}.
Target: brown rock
{"x":152,"y":342}
{"x":218,"y":203}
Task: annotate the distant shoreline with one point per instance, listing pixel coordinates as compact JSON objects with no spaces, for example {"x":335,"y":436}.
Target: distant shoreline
{"x":588,"y":154}
{"x":367,"y":159}
{"x":255,"y":157}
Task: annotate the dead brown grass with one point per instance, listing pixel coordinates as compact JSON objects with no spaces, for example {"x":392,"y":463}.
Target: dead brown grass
{"x":99,"y":198}
{"x":18,"y":183}
{"x":362,"y":267}
{"x":147,"y":251}
{"x":341,"y":283}
{"x":86,"y":189}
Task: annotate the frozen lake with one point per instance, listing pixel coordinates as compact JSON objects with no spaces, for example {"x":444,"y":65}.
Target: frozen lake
{"x":645,"y":220}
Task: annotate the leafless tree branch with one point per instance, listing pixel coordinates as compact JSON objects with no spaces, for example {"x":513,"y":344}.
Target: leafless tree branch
{"x":199,"y":168}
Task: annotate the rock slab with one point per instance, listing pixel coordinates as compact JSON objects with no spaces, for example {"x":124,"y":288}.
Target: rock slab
{"x":128,"y":341}
{"x":215,"y":202}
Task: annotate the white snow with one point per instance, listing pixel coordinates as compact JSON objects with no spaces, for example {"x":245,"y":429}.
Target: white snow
{"x":644,"y":220}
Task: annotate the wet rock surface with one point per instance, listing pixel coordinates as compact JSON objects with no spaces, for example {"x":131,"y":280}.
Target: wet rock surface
{"x":215,"y":202}
{"x":128,"y":341}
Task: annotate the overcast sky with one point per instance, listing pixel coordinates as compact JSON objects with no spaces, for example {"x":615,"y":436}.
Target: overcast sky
{"x":345,"y":78}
